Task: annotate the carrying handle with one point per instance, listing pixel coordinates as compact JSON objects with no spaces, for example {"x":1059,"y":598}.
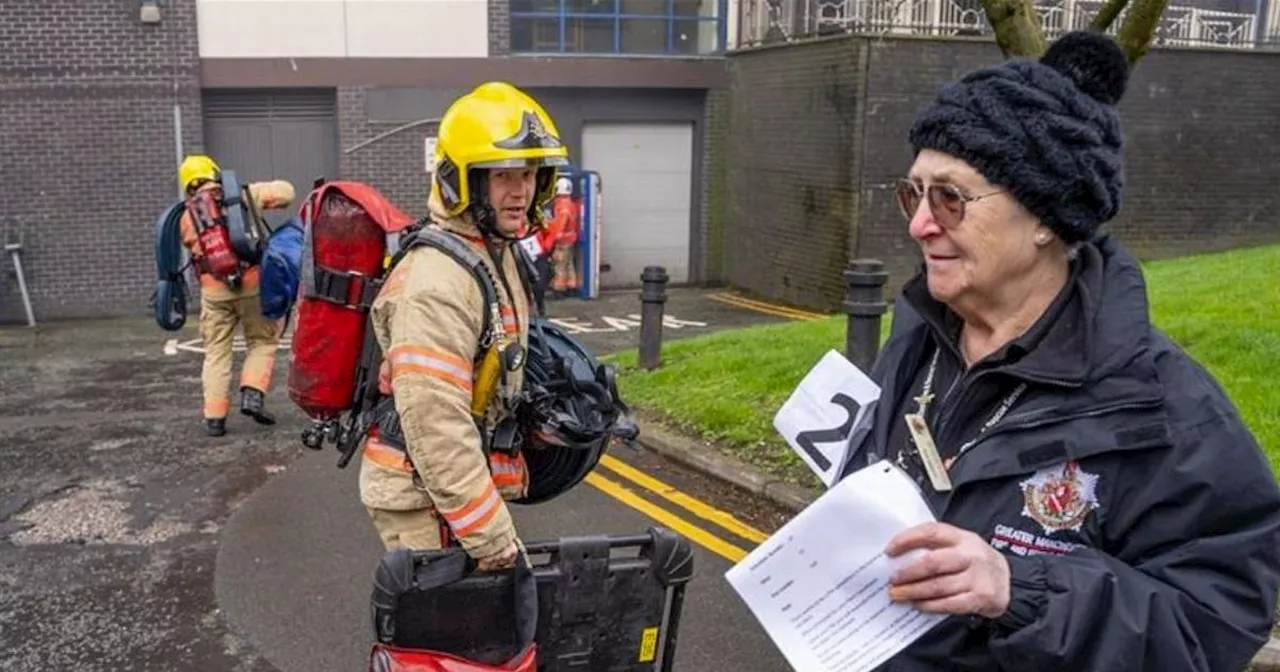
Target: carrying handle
{"x":446,"y":566}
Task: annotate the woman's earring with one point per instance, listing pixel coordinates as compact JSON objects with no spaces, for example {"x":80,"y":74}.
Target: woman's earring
{"x":1042,"y":238}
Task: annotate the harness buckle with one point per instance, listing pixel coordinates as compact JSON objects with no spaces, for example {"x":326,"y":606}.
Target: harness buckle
{"x":349,"y":289}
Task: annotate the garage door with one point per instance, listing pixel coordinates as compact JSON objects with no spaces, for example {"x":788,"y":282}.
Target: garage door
{"x":265,"y":134}
{"x":646,"y":175}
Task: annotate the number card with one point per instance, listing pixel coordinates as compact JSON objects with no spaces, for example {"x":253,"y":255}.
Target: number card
{"x":532,"y":246}
{"x":819,"y":418}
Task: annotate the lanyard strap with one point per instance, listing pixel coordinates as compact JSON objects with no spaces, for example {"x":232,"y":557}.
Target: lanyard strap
{"x":926,"y":396}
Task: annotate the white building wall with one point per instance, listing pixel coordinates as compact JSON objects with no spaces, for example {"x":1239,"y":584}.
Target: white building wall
{"x":343,"y":28}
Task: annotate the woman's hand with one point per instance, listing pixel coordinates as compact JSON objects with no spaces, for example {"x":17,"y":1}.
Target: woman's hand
{"x":959,"y":573}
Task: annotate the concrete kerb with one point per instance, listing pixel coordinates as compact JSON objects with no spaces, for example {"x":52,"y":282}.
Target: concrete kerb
{"x":1268,"y":659}
{"x":704,"y":459}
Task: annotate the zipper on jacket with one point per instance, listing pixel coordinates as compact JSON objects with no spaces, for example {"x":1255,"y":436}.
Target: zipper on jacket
{"x":967,"y":382}
{"x":1009,"y":425}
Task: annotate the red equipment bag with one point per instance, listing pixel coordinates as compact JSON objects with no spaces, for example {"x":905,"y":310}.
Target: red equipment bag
{"x":506,"y":628}
{"x":394,"y":659}
{"x":346,"y":225}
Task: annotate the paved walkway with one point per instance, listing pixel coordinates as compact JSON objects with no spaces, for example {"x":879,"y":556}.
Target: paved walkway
{"x":131,"y":541}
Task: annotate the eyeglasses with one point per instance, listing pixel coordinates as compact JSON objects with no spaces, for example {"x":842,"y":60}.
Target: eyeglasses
{"x":946,"y":202}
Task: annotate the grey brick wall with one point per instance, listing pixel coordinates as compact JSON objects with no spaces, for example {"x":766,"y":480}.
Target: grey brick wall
{"x":86,"y":97}
{"x":499,"y":27}
{"x":714,"y":182}
{"x":395,"y":165}
{"x":1200,"y":126}
{"x":792,"y":151}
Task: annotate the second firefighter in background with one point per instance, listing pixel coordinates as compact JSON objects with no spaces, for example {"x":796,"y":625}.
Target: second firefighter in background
{"x":496,"y":158}
{"x":559,"y":240}
{"x":228,"y":303}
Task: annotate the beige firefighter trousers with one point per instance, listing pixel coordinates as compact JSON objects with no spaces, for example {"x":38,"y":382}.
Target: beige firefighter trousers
{"x":416,"y":529}
{"x":219,"y":318}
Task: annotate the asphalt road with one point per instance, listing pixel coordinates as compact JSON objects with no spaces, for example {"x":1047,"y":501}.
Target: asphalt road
{"x":131,"y":541}
{"x":296,"y":560}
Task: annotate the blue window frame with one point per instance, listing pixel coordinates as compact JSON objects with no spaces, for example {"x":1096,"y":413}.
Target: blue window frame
{"x":622,"y":27}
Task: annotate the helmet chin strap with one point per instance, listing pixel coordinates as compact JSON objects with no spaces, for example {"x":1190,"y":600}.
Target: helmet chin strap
{"x":484,"y":214}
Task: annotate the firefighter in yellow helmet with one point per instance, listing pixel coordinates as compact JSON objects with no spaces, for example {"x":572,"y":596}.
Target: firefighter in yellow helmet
{"x":228,"y":299}
{"x":439,"y":478}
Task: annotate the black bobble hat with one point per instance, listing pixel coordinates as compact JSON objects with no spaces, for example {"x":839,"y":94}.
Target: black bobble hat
{"x":1046,"y":130}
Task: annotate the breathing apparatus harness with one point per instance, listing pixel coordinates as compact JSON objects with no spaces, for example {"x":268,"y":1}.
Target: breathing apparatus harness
{"x":232,"y":233}
{"x":569,"y":405}
{"x":569,"y":400}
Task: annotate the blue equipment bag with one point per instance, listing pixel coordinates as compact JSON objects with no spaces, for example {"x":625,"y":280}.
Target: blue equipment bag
{"x":281,"y":261}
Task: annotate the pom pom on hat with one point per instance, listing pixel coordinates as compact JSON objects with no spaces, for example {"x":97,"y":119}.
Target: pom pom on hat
{"x":1093,"y":61}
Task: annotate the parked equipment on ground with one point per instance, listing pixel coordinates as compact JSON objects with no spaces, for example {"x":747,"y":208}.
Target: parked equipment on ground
{"x":603,"y":603}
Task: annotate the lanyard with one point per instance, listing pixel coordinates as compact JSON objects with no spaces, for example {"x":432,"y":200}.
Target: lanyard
{"x":926,"y":397}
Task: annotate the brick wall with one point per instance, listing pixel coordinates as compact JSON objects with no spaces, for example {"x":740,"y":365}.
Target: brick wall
{"x":499,"y":27}
{"x":714,"y":199}
{"x":1200,"y":131}
{"x":395,"y":165}
{"x":86,"y":95}
{"x":792,"y":151}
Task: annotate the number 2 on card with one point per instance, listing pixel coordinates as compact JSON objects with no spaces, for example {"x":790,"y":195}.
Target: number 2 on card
{"x":806,"y":440}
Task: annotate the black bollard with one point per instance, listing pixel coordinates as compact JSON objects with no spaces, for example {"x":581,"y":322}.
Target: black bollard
{"x":864,"y":281}
{"x":652,"y":297}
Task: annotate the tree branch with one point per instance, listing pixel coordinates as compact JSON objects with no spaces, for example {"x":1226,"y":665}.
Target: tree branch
{"x":1139,"y":27}
{"x":1107,"y":15}
{"x":1017,"y":26}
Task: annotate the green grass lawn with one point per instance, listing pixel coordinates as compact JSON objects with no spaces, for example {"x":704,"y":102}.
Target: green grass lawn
{"x":726,"y":387}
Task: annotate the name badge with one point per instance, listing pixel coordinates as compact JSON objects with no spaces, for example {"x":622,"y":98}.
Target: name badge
{"x":928,"y":452}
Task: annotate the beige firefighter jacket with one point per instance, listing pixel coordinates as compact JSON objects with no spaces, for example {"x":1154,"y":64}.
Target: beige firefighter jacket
{"x":271,"y":195}
{"x":427,"y":320}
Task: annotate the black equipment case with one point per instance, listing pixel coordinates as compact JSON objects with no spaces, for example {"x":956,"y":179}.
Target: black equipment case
{"x":604,"y":603}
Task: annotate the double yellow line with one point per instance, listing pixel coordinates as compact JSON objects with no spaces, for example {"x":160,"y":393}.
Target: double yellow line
{"x":765,"y":308}
{"x":698,"y":508}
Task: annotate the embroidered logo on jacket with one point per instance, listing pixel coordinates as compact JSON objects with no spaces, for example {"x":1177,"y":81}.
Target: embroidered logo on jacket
{"x":1060,"y":497}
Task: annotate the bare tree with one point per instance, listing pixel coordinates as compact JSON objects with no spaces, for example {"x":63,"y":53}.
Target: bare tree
{"x":1019,"y":33}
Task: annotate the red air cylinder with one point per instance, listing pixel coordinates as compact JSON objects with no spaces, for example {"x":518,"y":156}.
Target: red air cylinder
{"x":218,"y":257}
{"x":346,"y":227}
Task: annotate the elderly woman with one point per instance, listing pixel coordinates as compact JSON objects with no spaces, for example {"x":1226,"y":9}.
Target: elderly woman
{"x":1101,"y":505}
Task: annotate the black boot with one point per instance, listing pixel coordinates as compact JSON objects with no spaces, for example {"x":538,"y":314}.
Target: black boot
{"x":215,"y":426}
{"x":251,"y":404}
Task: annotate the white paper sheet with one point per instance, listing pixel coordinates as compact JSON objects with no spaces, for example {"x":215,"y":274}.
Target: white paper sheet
{"x":820,"y":585}
{"x":824,"y":412}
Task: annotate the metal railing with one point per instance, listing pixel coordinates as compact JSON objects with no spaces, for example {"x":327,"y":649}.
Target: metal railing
{"x":780,"y":21}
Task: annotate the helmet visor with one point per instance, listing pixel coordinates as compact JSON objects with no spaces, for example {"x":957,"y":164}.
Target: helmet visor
{"x":525,"y":162}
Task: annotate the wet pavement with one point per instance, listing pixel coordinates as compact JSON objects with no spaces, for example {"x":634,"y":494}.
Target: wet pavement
{"x":131,"y":541}
{"x":112,"y":502}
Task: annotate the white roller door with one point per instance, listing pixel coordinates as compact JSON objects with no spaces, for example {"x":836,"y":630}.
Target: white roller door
{"x":646,"y":174}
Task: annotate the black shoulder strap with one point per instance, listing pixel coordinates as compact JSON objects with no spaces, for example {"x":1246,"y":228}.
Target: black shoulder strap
{"x":529,"y":277}
{"x":468,"y":258}
{"x":243,"y":221}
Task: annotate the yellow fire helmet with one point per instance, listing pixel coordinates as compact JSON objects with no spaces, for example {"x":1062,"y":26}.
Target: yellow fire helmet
{"x":495,"y":126}
{"x":195,"y":168}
